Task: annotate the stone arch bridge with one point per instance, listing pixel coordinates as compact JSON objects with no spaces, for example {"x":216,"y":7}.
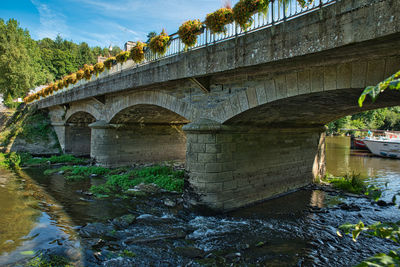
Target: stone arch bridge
{"x":247,"y":114}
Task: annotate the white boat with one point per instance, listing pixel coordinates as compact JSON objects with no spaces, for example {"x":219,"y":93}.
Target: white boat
{"x":384,"y":148}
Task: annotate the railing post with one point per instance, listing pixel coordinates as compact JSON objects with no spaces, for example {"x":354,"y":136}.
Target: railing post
{"x":272,"y":12}
{"x":206,"y":33}
{"x":284,"y":10}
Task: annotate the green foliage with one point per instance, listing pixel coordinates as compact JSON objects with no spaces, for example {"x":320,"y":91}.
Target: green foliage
{"x":78,"y":173}
{"x":217,"y":20}
{"x":49,"y":261}
{"x":163,"y":176}
{"x":127,"y":253}
{"x":381,"y":119}
{"x":353,"y":184}
{"x":19,"y":66}
{"x":391,"y":259}
{"x":10,"y":160}
{"x":392,"y":83}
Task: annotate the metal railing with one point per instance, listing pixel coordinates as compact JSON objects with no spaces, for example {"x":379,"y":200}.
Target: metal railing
{"x":277,"y":13}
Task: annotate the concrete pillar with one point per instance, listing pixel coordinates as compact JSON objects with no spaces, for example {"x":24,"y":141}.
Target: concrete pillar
{"x":119,"y":145}
{"x":230,"y":167}
{"x":77,"y":139}
{"x":59,"y":128}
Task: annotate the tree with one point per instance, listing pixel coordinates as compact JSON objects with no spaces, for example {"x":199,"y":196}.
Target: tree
{"x":17,"y":65}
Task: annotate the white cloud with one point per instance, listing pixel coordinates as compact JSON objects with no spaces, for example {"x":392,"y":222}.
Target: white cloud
{"x":51,"y":22}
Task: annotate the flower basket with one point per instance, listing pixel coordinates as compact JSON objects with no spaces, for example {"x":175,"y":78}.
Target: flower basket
{"x":122,"y":57}
{"x":159,"y":43}
{"x":137,"y":52}
{"x":65,"y":81}
{"x":189,"y":31}
{"x":217,"y":20}
{"x":245,"y":9}
{"x":88,"y":70}
{"x":99,"y":68}
{"x":60,"y":84}
{"x":80,"y":74}
{"x":109,"y":62}
{"x":72,"y":78}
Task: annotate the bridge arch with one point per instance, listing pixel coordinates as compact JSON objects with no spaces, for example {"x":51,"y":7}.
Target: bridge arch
{"x":87,"y":108}
{"x":165,"y":102}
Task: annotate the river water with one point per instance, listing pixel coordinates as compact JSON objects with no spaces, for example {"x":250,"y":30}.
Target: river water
{"x":44,"y":214}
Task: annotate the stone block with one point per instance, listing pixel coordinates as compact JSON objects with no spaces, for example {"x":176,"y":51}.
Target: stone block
{"x":206,"y":157}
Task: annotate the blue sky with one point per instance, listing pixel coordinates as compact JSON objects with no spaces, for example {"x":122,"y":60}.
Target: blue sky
{"x":104,"y":22}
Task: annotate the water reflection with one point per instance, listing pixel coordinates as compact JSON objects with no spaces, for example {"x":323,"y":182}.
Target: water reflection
{"x":31,"y":221}
{"x":341,"y":160}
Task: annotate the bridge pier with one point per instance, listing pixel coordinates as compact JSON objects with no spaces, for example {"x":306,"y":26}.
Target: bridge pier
{"x":118,"y":145}
{"x":230,"y":167}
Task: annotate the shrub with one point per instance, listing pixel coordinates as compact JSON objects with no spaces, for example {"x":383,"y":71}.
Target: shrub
{"x":109,"y":62}
{"x":99,"y":68}
{"x":137,"y":52}
{"x":189,"y":31}
{"x":122,"y":57}
{"x":245,"y":9}
{"x":159,"y":44}
{"x":217,"y":20}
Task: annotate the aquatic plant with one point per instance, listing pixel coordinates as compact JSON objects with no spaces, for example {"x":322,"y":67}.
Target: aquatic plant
{"x":189,"y":31}
{"x":137,"y":52}
{"x":159,"y":43}
{"x":217,"y":20}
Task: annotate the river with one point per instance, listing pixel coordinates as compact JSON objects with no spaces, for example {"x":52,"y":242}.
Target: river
{"x":44,"y":214}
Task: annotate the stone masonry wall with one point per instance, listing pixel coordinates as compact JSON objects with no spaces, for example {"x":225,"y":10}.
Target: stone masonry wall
{"x":114,"y":146}
{"x":231,"y":168}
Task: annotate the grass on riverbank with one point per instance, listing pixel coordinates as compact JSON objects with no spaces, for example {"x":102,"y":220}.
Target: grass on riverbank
{"x":120,"y":180}
{"x":352,"y":183}
{"x":49,"y":261}
{"x":163,"y":176}
{"x":15,"y":160}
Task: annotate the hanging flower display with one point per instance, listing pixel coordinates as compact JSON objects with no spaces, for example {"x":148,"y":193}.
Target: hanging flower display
{"x":88,"y":70}
{"x":72,"y":78}
{"x":122,"y":57}
{"x":137,"y":52}
{"x":245,"y":9}
{"x":189,"y":31}
{"x":80,"y":74}
{"x":99,"y":68}
{"x":159,"y":43}
{"x":217,"y":20}
{"x":109,"y":62}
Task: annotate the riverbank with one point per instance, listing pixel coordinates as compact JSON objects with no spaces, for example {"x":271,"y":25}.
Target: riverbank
{"x":155,"y":229}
